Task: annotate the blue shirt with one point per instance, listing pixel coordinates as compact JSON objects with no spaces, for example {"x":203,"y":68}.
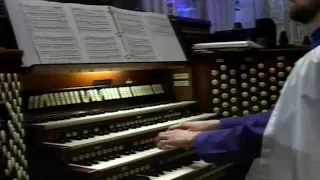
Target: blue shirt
{"x":240,"y":139}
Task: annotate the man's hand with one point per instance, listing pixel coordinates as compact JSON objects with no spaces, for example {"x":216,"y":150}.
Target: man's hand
{"x":198,"y":126}
{"x":176,"y":139}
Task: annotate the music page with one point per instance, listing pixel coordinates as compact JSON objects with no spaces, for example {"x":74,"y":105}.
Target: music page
{"x":43,"y":32}
{"x":135,"y":36}
{"x":163,"y":37}
{"x":96,"y":33}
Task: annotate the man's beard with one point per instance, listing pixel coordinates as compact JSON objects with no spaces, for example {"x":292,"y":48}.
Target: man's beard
{"x":304,"y":13}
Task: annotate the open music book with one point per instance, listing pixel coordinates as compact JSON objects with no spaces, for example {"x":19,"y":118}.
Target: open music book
{"x":58,"y":33}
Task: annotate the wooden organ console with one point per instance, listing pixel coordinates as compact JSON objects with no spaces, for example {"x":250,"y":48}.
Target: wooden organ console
{"x":80,"y":130}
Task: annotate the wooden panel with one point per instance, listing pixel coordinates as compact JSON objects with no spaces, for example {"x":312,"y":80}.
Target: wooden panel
{"x":35,"y":81}
{"x":76,"y":68}
{"x":183,"y":93}
{"x":275,"y":66}
{"x":10,"y":60}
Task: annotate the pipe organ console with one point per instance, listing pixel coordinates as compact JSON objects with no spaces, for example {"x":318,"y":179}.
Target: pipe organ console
{"x":107,"y":132}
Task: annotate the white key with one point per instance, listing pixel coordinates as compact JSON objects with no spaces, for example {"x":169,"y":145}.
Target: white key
{"x":122,"y":160}
{"x":112,"y":115}
{"x":196,"y":165}
{"x":105,"y":138}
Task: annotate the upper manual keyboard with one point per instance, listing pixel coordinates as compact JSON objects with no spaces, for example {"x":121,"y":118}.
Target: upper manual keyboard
{"x":75,"y":143}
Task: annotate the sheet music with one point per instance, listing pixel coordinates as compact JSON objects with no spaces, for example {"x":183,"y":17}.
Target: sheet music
{"x":163,"y":37}
{"x":96,"y":33}
{"x":135,"y":36}
{"x":46,"y":26}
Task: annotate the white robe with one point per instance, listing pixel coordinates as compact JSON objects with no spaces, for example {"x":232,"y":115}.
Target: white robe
{"x":291,"y":143}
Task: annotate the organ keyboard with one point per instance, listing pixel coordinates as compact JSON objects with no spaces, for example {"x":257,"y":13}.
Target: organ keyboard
{"x":107,"y":132}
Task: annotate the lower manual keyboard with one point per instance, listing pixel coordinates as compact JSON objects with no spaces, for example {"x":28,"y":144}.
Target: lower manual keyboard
{"x":103,"y":165}
{"x":174,"y":172}
{"x":105,"y":138}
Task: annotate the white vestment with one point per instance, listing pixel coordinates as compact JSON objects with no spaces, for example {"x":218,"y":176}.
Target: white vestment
{"x":291,"y":143}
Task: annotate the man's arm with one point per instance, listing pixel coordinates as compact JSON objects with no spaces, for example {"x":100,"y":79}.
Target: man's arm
{"x":237,"y":121}
{"x":235,"y":141}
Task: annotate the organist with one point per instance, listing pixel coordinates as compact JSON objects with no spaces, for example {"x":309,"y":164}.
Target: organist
{"x":285,"y":138}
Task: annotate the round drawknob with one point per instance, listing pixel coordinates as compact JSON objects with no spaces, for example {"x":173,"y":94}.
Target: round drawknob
{"x":3,"y":136}
{"x":215,"y":91}
{"x":264,"y":111}
{"x":281,"y":83}
{"x":233,"y":99}
{"x":264,"y":103}
{"x":272,"y":70}
{"x":225,"y":114}
{"x":289,"y":69}
{"x":273,"y":88}
{"x":214,"y":82}
{"x":234,"y":108}
{"x":253,"y":80}
{"x":214,"y":72}
{"x":253,"y":89}
{"x":245,"y":103}
{"x":233,"y":90}
{"x":7,"y":172}
{"x":224,"y":86}
{"x":216,"y":110}
{"x":216,"y":100}
{"x":245,"y":112}
{"x":9,"y":165}
{"x":232,"y":72}
{"x":244,"y":85}
{"x":273,"y":97}
{"x":255,"y":108}
{"x":262,"y":84}
{"x":272,"y":79}
{"x":260,"y":65}
{"x":4,"y":150}
{"x":244,"y":76}
{"x":261,"y":75}
{"x":263,"y":93}
{"x":223,"y":77}
{"x":254,"y":98}
{"x":223,"y":67}
{"x":280,"y":65}
{"x":233,"y":81}
{"x":253,"y":71}
{"x":11,"y":144}
{"x":280,"y":74}
{"x":225,"y":104}
{"x":224,"y":95}
{"x":245,"y":94}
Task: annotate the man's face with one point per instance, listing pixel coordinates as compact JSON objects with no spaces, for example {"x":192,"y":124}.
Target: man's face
{"x":304,"y":11}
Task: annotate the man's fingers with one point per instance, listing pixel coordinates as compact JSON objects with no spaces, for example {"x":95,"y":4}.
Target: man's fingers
{"x":165,"y":145}
{"x":177,"y":126}
{"x":162,"y":136}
